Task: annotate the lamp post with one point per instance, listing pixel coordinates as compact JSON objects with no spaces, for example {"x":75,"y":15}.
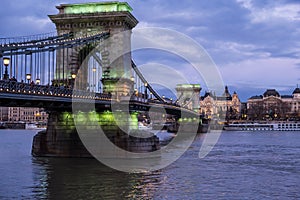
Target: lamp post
{"x":72,"y":81}
{"x":38,"y":81}
{"x":146,"y":95}
{"x":94,"y":70}
{"x":132,"y":86}
{"x":28,"y":77}
{"x":6,"y":62}
{"x":73,"y":75}
{"x":136,"y":92}
{"x":132,"y":79}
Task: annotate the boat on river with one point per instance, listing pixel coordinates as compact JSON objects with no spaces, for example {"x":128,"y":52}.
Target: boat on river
{"x":272,"y":126}
{"x":33,"y":126}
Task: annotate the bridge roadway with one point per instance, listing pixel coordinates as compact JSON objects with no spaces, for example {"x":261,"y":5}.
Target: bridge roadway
{"x":16,"y":94}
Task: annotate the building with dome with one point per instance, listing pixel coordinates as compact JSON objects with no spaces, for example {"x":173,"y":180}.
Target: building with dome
{"x":273,"y":106}
{"x":226,"y":106}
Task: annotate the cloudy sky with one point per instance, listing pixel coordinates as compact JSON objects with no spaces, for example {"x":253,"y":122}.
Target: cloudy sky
{"x":254,"y":43}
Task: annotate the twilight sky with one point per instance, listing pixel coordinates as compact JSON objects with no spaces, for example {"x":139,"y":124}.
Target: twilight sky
{"x":254,"y":43}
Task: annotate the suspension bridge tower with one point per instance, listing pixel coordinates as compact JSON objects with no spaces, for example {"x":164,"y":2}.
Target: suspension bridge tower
{"x":87,"y":19}
{"x":188,"y":96}
{"x":113,"y":56}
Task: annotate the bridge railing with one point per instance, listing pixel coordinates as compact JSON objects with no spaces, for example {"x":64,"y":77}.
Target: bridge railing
{"x":48,"y":90}
{"x":9,"y":86}
{"x":29,"y":38}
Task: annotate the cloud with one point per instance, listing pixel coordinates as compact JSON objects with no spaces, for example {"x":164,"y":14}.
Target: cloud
{"x":247,"y":39}
{"x":262,"y":73}
{"x":29,"y":25}
{"x":271,"y":12}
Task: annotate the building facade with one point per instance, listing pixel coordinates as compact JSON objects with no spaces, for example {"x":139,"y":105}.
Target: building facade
{"x":273,"y":106}
{"x":3,"y":114}
{"x":224,"y":107}
{"x":24,"y":114}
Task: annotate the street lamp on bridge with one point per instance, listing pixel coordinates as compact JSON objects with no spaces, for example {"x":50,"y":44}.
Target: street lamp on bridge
{"x":38,"y":81}
{"x":73,"y":75}
{"x":6,"y":62}
{"x":132,"y":79}
{"x":146,"y":95}
{"x":28,"y":77}
{"x":133,"y":83}
{"x":72,"y":79}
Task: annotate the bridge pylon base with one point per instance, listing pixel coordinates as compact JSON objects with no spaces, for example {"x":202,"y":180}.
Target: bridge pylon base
{"x":61,"y":139}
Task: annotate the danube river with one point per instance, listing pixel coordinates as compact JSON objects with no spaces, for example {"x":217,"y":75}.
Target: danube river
{"x":243,"y":165}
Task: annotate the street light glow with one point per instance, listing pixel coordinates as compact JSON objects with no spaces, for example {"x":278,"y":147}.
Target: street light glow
{"x":28,"y":76}
{"x":6,"y":61}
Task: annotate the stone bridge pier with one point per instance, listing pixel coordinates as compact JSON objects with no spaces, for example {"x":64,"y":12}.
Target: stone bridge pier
{"x":61,"y":137}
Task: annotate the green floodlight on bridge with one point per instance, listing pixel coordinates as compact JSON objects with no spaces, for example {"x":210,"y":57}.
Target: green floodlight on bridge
{"x":96,"y":7}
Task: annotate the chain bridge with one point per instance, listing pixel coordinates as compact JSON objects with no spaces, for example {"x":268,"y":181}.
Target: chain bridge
{"x":88,"y":60}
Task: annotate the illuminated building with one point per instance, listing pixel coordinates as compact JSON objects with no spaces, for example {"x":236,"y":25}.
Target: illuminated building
{"x":226,"y":106}
{"x":273,"y":106}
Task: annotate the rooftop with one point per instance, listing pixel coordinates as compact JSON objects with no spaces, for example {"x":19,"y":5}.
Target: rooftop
{"x":296,"y":91}
{"x":256,"y":97}
{"x":286,"y":96}
{"x":220,"y":98}
{"x":271,"y":92}
{"x":109,"y":6}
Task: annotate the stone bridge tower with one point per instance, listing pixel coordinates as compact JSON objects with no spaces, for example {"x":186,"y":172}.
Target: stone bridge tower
{"x":92,"y":18}
{"x":188,"y":96}
{"x":61,"y":137}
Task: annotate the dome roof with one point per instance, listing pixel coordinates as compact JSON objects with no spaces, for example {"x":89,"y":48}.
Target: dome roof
{"x":271,"y":92}
{"x":296,"y":91}
{"x":256,"y":97}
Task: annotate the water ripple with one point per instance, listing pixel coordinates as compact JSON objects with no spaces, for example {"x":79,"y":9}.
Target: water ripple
{"x":242,"y":165}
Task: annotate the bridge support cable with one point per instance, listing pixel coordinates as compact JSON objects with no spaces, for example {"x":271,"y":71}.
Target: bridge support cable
{"x":32,"y":38}
{"x":189,"y":101}
{"x":36,"y":60}
{"x":146,"y":84}
{"x":48,"y":45}
{"x":178,"y":99}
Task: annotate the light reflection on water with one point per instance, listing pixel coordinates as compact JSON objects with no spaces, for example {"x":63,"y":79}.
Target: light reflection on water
{"x":87,"y":179}
{"x":243,"y":165}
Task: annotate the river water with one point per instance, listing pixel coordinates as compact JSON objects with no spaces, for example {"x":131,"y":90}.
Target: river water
{"x":242,"y":165}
